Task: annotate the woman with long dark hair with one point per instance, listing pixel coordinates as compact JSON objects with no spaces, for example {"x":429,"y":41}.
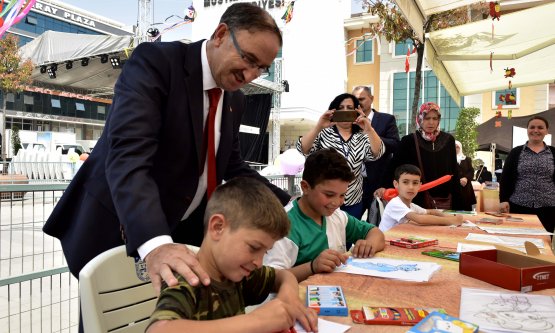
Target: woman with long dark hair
{"x":356,"y":140}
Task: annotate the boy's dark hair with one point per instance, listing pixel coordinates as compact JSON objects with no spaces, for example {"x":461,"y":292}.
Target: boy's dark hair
{"x":538,"y":118}
{"x":408,"y":169}
{"x":247,"y":202}
{"x":246,"y":16}
{"x":326,"y":164}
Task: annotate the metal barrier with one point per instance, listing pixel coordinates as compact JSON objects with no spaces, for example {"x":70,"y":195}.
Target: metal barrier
{"x":37,"y":293}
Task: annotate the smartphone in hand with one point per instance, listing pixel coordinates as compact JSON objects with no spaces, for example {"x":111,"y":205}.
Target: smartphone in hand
{"x":344,"y":116}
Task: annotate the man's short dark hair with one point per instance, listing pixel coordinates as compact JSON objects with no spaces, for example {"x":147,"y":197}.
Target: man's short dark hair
{"x":408,"y":169}
{"x":326,"y":164}
{"x":364,"y":88}
{"x":246,"y":16}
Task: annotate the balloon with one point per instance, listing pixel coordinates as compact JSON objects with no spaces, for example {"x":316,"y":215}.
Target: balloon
{"x":391,"y":193}
{"x":291,"y":162}
{"x":15,"y":12}
{"x":84,"y":156}
{"x":73,"y":157}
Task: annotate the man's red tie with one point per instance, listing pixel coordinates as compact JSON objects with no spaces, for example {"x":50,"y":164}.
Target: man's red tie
{"x":214,"y":97}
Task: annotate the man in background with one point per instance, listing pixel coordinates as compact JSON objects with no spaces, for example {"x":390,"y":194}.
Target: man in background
{"x":385,"y":125}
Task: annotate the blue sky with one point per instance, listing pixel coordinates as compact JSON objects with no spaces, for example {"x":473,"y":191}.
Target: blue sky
{"x":125,"y":11}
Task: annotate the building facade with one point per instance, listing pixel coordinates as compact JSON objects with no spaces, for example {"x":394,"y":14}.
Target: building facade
{"x":39,"y":109}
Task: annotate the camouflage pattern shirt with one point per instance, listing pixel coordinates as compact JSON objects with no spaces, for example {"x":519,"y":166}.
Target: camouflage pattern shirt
{"x":218,"y":300}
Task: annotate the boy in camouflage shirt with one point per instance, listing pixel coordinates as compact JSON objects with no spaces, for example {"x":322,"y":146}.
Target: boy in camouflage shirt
{"x":243,"y":219}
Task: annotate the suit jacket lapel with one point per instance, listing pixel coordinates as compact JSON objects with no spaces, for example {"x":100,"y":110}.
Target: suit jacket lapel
{"x":226,"y":127}
{"x":194,"y":91}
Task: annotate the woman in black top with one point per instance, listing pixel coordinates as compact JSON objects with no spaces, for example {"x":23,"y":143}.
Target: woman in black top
{"x":527,"y":182}
{"x":466,"y":172}
{"x":437,"y":152}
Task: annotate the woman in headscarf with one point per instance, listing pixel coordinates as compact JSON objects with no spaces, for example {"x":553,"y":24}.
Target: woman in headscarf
{"x":437,"y":156}
{"x":357,"y":141}
{"x":466,"y":172}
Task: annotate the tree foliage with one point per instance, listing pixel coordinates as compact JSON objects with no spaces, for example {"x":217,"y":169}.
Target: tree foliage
{"x":394,"y":27}
{"x":465,"y":130}
{"x":13,"y":73}
{"x":16,"y":141}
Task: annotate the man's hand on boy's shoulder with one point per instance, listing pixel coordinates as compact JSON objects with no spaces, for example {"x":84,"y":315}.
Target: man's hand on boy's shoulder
{"x":163,"y":261}
{"x":328,"y":260}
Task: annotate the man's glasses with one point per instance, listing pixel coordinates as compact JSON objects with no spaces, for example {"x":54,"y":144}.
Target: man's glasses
{"x":248,"y":59}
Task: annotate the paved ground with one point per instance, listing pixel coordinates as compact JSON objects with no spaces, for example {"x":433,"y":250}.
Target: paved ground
{"x":47,"y":304}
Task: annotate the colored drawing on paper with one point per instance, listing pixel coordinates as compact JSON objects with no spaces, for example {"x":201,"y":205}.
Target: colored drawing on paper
{"x":383,"y":267}
{"x":390,"y":268}
{"x":512,"y":312}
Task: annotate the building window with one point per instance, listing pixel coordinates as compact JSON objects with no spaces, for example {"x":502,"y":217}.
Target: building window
{"x":55,"y":103}
{"x":364,"y":51}
{"x":28,"y":100}
{"x":272,"y":70}
{"x":402,"y":47}
{"x":507,"y":98}
{"x":31,"y":20}
{"x":80,"y":106}
{"x":101,"y":109}
{"x":432,"y":91}
{"x":10,"y":97}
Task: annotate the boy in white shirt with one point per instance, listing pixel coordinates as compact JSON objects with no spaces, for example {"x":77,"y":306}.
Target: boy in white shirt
{"x":401,"y":209}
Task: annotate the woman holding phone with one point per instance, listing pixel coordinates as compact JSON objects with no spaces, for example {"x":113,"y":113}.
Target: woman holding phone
{"x":345,"y":128}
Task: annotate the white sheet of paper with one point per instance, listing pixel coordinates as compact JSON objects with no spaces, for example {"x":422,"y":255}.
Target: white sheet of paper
{"x":418,"y":271}
{"x":515,"y":231}
{"x":465,"y":247}
{"x":496,"y":311}
{"x":325,"y":326}
{"x":469,"y":224}
{"x":505,"y":240}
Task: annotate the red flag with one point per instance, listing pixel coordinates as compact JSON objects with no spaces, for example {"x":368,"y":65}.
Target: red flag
{"x":407,"y":63}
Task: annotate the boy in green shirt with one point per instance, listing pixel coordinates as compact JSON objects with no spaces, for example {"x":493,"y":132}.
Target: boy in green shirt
{"x":243,"y":219}
{"x":319,"y":230}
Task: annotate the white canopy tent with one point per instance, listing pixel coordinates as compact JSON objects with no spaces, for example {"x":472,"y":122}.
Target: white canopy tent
{"x":96,"y":79}
{"x":523,"y":40}
{"x":460,"y":56}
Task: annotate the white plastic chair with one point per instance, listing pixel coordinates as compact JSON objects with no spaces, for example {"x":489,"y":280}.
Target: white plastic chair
{"x":113,"y":298}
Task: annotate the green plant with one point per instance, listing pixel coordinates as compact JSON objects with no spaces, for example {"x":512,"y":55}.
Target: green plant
{"x":465,"y":130}
{"x":14,"y":75}
{"x":16,"y":141}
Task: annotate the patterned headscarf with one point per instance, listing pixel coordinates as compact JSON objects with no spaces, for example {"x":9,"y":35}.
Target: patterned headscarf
{"x":424,"y":109}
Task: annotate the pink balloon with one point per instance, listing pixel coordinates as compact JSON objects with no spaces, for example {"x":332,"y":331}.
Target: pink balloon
{"x":25,"y":11}
{"x":16,"y":14}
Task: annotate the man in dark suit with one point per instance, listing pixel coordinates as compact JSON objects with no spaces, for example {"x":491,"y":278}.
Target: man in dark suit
{"x":385,"y":125}
{"x":145,"y":183}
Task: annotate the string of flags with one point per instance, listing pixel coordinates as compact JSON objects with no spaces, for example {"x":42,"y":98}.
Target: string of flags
{"x":153,"y":33}
{"x":288,"y":15}
{"x":507,"y":98}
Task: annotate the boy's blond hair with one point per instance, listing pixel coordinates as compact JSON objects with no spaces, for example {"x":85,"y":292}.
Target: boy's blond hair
{"x":247,"y":202}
